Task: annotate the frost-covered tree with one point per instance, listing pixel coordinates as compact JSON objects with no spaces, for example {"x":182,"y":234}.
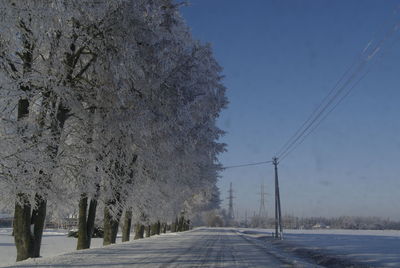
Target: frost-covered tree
{"x":105,"y":102}
{"x":32,"y":118}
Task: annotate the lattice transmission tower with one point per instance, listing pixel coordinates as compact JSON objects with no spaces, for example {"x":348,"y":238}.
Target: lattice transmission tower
{"x":263,"y":210}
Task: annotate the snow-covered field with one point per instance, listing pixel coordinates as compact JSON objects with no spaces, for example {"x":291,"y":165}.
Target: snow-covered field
{"x":54,"y":243}
{"x":229,"y":247}
{"x":376,"y":248}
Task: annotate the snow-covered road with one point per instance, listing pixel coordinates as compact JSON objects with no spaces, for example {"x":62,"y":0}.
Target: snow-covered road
{"x":198,"y":248}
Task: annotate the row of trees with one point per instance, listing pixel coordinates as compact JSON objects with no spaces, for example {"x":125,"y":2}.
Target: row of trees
{"x":343,"y":222}
{"x":104,"y":104}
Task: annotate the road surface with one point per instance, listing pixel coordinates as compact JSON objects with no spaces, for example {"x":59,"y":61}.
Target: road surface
{"x":206,"y":247}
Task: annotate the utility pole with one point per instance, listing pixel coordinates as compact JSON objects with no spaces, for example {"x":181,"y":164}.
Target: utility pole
{"x":278,"y":214}
{"x":231,"y":215}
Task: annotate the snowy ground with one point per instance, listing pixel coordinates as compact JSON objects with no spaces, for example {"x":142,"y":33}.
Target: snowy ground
{"x":368,"y":248}
{"x":54,"y":243}
{"x":197,"y":248}
{"x":225,"y":247}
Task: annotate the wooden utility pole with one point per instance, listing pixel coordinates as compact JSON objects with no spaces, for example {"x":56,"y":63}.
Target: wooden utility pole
{"x":231,"y":215}
{"x":278,"y":214}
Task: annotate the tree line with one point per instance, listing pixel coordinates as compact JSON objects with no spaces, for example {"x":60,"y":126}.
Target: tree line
{"x":342,"y":222}
{"x":105,"y":106}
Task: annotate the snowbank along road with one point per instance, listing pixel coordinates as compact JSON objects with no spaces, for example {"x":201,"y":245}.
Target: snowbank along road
{"x":198,"y":248}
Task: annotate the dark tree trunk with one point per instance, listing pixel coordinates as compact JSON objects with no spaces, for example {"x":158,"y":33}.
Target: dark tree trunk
{"x":148,"y":231}
{"x":107,"y":227}
{"x":86,"y":221}
{"x":110,"y":227}
{"x":177,"y":224}
{"x":82,"y":224}
{"x":158,"y":227}
{"x":126,"y":230}
{"x":115,"y":226}
{"x":38,"y":220}
{"x":173,"y":227}
{"x":153,"y":229}
{"x":139,"y":231}
{"x":90,"y":220}
{"x":181,"y":224}
{"x":114,"y":231}
{"x":164,"y":228}
{"x":21,"y":227}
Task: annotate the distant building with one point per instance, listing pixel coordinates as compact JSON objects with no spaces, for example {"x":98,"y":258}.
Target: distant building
{"x":320,"y":226}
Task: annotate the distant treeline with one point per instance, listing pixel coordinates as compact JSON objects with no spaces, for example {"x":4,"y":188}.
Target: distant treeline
{"x":220,"y":218}
{"x":344,"y":222}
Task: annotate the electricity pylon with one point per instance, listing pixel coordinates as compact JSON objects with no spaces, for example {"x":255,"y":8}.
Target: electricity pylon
{"x":263,"y":211}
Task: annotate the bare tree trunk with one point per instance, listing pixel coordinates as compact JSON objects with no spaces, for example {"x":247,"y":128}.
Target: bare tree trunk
{"x":181,"y":224}
{"x":148,"y":231}
{"x":90,"y":220}
{"x":86,"y":221}
{"x":126,"y":230}
{"x":115,"y":226}
{"x":153,"y":229}
{"x":82,"y":224}
{"x":139,"y":231}
{"x":38,"y":220}
{"x":21,"y":227}
{"x":174,"y":226}
{"x":107,"y":227}
{"x":158,"y":227}
{"x":110,"y":227}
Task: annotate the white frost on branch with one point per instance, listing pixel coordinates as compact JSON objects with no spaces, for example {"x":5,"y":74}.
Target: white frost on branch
{"x":113,"y":100}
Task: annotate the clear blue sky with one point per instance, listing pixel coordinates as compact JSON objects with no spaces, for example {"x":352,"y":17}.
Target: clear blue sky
{"x":280,"y":58}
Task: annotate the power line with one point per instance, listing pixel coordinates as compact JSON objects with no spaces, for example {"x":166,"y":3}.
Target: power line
{"x":326,"y":115}
{"x":322,"y":111}
{"x":334,"y":97}
{"x":246,"y":165}
{"x":310,"y":117}
{"x":320,"y":116}
{"x":322,"y":119}
{"x":314,"y":117}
